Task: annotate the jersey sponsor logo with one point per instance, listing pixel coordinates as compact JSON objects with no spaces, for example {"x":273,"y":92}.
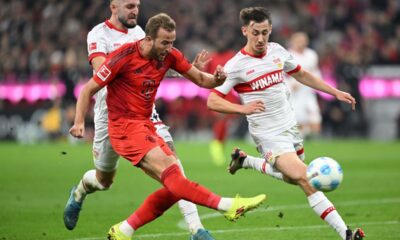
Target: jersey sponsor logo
{"x":92,"y":46}
{"x":103,"y":73}
{"x":117,"y":45}
{"x":260,"y":83}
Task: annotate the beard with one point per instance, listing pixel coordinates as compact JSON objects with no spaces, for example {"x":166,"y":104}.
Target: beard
{"x":124,"y":22}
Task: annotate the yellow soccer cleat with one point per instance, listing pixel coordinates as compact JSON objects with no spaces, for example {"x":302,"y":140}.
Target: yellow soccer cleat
{"x":242,"y":205}
{"x":115,"y":234}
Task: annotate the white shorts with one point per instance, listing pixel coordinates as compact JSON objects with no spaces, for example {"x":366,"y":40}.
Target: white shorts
{"x":105,"y":158}
{"x":287,"y":141}
{"x":306,"y":109}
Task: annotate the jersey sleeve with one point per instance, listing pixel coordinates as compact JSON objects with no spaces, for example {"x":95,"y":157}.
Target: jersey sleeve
{"x":233,"y":78}
{"x":140,"y":34}
{"x":290,"y":65}
{"x":96,"y":45}
{"x":181,"y":64}
{"x":113,"y":64}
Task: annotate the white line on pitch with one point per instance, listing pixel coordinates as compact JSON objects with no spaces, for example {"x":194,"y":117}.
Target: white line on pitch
{"x":182,"y":225}
{"x":260,"y":229}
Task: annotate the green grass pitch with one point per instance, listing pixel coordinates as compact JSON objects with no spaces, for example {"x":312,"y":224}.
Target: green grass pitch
{"x":35,"y":182}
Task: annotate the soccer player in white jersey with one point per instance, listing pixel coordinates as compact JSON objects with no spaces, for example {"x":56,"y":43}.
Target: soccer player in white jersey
{"x":256,"y":73}
{"x":102,"y":39}
{"x":303,"y":98}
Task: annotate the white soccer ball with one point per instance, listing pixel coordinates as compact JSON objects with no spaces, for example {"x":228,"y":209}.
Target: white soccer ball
{"x":324,"y":174}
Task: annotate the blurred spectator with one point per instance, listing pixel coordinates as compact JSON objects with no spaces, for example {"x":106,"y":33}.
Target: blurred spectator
{"x":303,"y":98}
{"x":45,"y":39}
{"x":348,"y":73}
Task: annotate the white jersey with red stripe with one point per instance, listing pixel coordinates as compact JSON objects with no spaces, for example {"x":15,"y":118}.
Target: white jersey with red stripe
{"x":102,"y":40}
{"x":262,"y":78}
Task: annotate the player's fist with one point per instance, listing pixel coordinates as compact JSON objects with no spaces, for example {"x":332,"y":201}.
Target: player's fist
{"x":219,"y":75}
{"x":77,"y":130}
{"x":256,"y":106}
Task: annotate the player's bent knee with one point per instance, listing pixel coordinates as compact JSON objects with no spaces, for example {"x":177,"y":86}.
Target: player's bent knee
{"x":105,"y":184}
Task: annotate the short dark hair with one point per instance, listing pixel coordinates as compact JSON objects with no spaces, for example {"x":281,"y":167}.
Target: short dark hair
{"x":158,"y":21}
{"x":256,"y":14}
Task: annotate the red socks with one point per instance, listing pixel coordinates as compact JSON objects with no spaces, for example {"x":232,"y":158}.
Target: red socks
{"x":153,"y":207}
{"x":182,"y":188}
{"x":176,"y":187}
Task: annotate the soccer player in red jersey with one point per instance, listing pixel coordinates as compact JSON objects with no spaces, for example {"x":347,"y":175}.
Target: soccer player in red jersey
{"x":132,"y":74}
{"x":104,"y":38}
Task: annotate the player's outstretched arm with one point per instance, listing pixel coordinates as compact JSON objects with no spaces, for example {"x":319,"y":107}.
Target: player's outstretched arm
{"x":219,"y":104}
{"x":317,"y":83}
{"x":204,"y":79}
{"x":82,"y":106}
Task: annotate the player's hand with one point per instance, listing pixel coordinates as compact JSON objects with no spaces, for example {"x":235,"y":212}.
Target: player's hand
{"x":346,"y":97}
{"x":219,"y":75}
{"x":77,"y":130}
{"x":201,"y":60}
{"x":253,"y":107}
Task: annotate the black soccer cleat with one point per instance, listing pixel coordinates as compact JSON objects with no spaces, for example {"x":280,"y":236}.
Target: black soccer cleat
{"x":356,"y":234}
{"x":237,"y":158}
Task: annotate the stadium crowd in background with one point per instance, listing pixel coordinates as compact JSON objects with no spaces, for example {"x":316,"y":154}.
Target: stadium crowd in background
{"x":44,"y":40}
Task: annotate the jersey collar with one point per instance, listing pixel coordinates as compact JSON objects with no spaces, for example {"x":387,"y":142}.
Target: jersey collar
{"x":110,"y":25}
{"x":252,"y":55}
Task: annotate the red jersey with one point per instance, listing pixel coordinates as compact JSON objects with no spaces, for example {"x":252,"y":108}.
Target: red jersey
{"x":132,"y":80}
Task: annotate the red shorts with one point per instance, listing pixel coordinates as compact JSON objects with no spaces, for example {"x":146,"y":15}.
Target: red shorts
{"x":133,"y":139}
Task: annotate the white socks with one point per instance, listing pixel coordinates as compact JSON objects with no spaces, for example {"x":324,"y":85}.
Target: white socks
{"x":126,"y":229}
{"x":259,"y":164}
{"x":225,"y":204}
{"x":189,"y":211}
{"x":88,"y":184}
{"x":325,"y":209}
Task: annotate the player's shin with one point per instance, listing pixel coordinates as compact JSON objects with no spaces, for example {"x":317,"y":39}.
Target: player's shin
{"x":182,"y":188}
{"x":325,"y":209}
{"x":189,"y":211}
{"x":153,"y":207}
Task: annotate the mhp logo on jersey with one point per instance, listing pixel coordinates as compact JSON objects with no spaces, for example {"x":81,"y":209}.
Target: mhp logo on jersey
{"x":103,"y":73}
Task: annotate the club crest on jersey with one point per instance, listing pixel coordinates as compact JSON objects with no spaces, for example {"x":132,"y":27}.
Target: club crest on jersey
{"x":278,"y":62}
{"x":103,"y":73}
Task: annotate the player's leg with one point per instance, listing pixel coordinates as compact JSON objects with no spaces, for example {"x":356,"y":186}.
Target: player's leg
{"x":157,"y":163}
{"x":149,"y":152}
{"x":292,"y":167}
{"x":239,"y":159}
{"x":220,"y":131}
{"x":98,"y":179}
{"x":188,"y":209}
{"x":314,"y":116}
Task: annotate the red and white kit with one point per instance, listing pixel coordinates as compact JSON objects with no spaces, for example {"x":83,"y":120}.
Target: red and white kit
{"x":262,"y":78}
